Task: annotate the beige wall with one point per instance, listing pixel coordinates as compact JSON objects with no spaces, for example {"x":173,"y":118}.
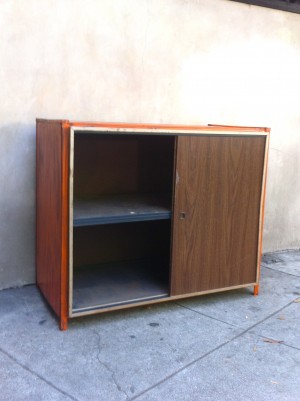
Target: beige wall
{"x":162,"y":61}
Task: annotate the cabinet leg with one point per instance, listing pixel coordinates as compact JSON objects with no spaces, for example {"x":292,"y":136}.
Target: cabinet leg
{"x":256,"y":290}
{"x":63,"y":323}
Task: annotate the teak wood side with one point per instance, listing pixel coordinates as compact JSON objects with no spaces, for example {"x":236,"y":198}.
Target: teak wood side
{"x":52,"y":215}
{"x":219,"y":180}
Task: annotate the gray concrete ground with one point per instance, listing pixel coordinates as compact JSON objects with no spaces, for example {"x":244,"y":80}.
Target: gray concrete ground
{"x":229,"y":346}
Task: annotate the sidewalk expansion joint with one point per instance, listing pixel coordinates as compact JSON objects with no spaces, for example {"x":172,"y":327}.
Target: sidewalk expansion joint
{"x":206,"y":354}
{"x":203,"y":314}
{"x":280,"y":271}
{"x":280,"y":342}
{"x":37,"y":375}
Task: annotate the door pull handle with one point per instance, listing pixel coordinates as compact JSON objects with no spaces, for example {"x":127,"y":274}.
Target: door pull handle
{"x":182,"y":215}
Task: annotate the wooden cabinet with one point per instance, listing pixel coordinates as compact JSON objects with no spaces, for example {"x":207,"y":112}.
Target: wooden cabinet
{"x":130,"y":214}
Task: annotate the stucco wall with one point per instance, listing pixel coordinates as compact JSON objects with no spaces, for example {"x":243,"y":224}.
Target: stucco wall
{"x":162,"y":61}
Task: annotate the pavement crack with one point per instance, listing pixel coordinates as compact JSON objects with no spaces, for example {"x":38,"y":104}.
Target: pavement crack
{"x":107,"y":367}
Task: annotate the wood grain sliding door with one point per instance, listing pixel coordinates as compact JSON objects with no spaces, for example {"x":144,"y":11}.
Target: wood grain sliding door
{"x":216,"y":212}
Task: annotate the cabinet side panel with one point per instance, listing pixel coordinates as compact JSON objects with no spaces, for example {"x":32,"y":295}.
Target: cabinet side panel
{"x":218,"y":188}
{"x":49,"y":211}
{"x":65,"y":226}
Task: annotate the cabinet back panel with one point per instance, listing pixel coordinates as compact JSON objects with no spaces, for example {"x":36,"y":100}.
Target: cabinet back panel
{"x":219,"y":183}
{"x":116,"y":242}
{"x":112,"y":164}
{"x":155,"y":167}
{"x":104,"y":164}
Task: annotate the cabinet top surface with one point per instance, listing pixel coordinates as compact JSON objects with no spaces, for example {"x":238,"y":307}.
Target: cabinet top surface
{"x":164,"y":128}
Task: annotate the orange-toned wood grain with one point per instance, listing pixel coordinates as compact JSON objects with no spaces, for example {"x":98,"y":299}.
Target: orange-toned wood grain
{"x":52,"y":177}
{"x":64,"y":292}
{"x":49,"y":211}
{"x":205,"y":128}
{"x":208,"y":128}
{"x":238,"y":127}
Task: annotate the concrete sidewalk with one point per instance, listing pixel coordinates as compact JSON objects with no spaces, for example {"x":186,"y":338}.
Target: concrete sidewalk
{"x":223,"y":347}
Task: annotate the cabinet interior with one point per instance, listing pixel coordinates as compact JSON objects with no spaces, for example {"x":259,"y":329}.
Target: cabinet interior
{"x":122,"y":208}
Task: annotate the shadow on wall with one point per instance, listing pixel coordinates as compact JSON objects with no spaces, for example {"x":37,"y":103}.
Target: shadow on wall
{"x":17,"y":205}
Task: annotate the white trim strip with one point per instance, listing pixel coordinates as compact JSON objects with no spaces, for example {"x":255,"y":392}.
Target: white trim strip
{"x":160,"y":131}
